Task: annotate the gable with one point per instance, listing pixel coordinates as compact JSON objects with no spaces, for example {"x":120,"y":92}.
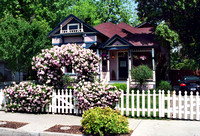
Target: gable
{"x":117,"y":42}
{"x":72,"y":24}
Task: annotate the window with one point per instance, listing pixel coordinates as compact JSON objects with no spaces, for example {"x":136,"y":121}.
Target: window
{"x":72,"y":26}
{"x":68,"y":69}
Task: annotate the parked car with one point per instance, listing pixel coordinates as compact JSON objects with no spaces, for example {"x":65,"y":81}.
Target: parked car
{"x":190,"y":83}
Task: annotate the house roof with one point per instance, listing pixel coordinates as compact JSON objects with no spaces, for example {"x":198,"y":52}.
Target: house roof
{"x":135,"y":36}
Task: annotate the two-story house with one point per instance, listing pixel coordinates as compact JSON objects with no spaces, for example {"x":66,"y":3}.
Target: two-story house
{"x":120,"y":46}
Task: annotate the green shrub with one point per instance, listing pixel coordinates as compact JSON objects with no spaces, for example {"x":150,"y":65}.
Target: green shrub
{"x":164,"y":85}
{"x":105,"y":121}
{"x":141,"y":73}
{"x":120,"y":86}
{"x":67,"y":80}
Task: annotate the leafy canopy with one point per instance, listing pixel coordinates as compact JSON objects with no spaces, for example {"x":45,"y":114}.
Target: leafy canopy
{"x":182,"y":17}
{"x":20,"y":41}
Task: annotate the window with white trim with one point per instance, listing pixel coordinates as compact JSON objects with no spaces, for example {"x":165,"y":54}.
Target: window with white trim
{"x":69,"y":70}
{"x":73,"y":26}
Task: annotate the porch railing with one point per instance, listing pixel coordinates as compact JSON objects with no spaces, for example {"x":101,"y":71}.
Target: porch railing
{"x":72,"y":31}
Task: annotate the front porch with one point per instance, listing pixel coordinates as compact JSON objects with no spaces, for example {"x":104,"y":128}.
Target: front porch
{"x":115,"y":65}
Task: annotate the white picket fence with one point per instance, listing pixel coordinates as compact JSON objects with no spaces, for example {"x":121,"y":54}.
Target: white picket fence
{"x":137,"y":104}
{"x":159,"y":104}
{"x":2,"y":99}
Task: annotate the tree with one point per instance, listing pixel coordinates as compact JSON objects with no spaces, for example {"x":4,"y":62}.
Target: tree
{"x":92,"y":12}
{"x":101,"y":11}
{"x":141,"y":74}
{"x":20,"y":41}
{"x":181,"y":16}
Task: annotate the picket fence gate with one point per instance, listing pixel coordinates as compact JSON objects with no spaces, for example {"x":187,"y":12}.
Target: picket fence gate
{"x":145,"y":104}
{"x":63,"y":102}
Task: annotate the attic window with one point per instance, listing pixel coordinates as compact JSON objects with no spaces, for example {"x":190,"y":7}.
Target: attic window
{"x":72,"y":26}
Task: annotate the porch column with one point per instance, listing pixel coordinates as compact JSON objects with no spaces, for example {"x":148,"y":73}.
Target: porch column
{"x":100,"y":63}
{"x":129,"y":63}
{"x":108,"y":65}
{"x":153,"y":64}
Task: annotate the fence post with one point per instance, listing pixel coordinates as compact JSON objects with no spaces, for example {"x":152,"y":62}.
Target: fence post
{"x":191,"y":105}
{"x":63,"y":97}
{"x":174,"y":104}
{"x":148,"y":103}
{"x":163,"y":103}
{"x":122,"y":102}
{"x":138,"y":106}
{"x":168,"y":104}
{"x":185,"y":105}
{"x":197,"y":106}
{"x":127,"y":98}
{"x":160,"y":103}
{"x":70,"y":101}
{"x":143,"y":103}
{"x":154,"y":103}
{"x":53,"y":101}
{"x":179,"y":106}
{"x":133,"y":103}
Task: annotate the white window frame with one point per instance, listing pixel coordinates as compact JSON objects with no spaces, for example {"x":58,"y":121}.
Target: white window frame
{"x":77,"y":24}
{"x":70,"y":73}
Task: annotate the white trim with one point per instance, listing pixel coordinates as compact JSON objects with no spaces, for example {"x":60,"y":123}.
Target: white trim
{"x":68,"y":25}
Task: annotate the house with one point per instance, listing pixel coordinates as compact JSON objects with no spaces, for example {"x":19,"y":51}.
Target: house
{"x":120,"y":46}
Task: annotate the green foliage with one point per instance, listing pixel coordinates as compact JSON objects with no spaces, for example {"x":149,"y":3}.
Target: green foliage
{"x":141,"y":73}
{"x":20,"y":41}
{"x":121,"y":86}
{"x":104,"y":121}
{"x":67,"y":80}
{"x":92,"y":12}
{"x":166,"y":36}
{"x":182,"y":17}
{"x":164,"y":85}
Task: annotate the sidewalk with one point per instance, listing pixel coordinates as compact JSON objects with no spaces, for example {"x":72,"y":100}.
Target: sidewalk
{"x":40,"y":122}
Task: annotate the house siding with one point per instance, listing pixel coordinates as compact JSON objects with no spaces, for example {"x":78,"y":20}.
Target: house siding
{"x":73,"y":39}
{"x":90,"y":38}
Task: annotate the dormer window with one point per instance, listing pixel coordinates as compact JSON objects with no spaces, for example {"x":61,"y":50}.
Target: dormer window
{"x":73,"y":26}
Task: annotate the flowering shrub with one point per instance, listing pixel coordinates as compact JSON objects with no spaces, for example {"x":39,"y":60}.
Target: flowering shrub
{"x":50,"y":62}
{"x":91,"y":95}
{"x":27,"y":97}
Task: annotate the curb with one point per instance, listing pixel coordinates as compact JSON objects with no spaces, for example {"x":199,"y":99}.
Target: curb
{"x":16,"y":132}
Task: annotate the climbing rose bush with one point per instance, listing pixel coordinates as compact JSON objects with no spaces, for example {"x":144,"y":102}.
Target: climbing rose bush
{"x":50,"y":62}
{"x":89,"y":95}
{"x":27,"y":97}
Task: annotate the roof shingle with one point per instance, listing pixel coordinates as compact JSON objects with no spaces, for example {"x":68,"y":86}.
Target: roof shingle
{"x":135,"y":36}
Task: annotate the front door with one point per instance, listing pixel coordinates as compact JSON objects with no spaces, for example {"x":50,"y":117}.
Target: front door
{"x":123,"y":65}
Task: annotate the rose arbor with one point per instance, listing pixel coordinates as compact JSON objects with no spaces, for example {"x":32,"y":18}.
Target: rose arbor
{"x":50,"y":62}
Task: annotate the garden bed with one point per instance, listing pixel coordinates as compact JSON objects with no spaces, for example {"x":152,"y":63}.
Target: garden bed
{"x":11,"y":124}
{"x":76,"y":130}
